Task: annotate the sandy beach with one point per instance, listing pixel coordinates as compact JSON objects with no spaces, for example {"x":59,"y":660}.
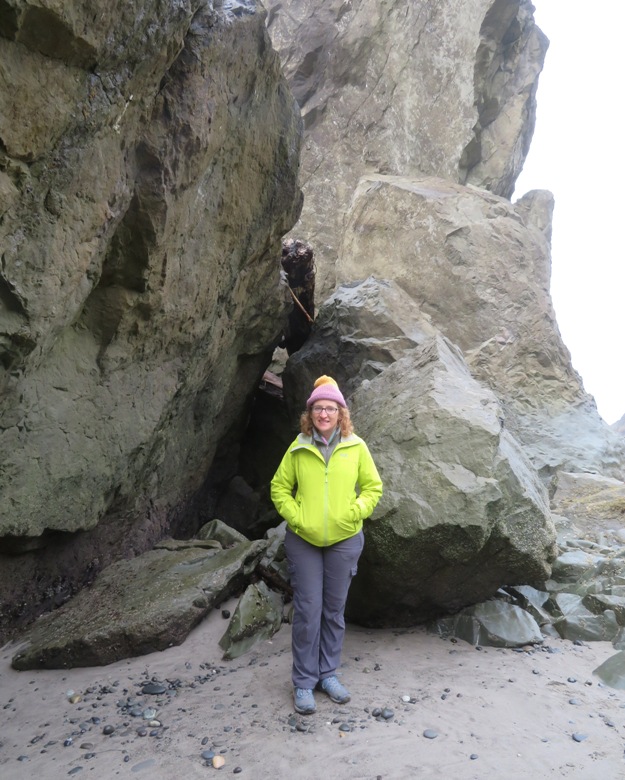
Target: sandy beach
{"x":421,"y":707}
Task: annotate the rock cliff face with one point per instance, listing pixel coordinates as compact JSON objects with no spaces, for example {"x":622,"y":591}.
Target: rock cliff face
{"x":443,"y":89}
{"x":149,"y":160}
{"x":418,"y":118}
{"x":148,"y":170}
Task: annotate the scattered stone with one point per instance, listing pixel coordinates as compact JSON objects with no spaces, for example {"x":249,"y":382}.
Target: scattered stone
{"x":218,"y":761}
{"x":154,"y":688}
{"x":257,"y":617}
{"x":430,"y":734}
{"x":579,"y":737}
{"x":108,"y":729}
{"x":147,"y":764}
{"x":387,"y":713}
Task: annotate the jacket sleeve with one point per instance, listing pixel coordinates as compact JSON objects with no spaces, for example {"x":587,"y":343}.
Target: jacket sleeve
{"x":282,"y":486}
{"x":370,"y":485}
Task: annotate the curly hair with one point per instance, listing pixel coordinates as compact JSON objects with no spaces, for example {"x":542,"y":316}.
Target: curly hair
{"x":344,"y":421}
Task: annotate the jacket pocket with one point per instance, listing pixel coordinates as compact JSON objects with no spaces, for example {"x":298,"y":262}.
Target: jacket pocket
{"x":350,"y":521}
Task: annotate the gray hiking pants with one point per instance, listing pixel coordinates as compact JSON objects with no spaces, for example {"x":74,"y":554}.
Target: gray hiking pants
{"x":320,"y":577}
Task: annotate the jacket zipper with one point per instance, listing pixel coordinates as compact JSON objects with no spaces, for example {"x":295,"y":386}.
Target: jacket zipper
{"x":325,"y":509}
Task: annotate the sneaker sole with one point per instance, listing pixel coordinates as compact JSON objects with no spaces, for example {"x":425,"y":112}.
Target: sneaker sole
{"x":344,"y":700}
{"x":306,"y":711}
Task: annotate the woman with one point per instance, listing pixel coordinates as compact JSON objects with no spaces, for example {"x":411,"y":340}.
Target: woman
{"x":336,"y":487}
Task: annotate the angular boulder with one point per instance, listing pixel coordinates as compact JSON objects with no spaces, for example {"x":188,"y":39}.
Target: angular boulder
{"x":257,"y":617}
{"x":463,"y":512}
{"x":479,"y":266}
{"x":139,"y":606}
{"x":493,"y":623}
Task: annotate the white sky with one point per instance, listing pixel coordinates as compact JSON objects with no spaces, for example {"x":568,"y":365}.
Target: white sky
{"x":577,"y":153}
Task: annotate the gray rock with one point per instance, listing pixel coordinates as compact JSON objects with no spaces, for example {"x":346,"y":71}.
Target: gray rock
{"x":581,"y":624}
{"x":257,"y":617}
{"x":532,"y":601}
{"x":463,"y":512}
{"x":612,"y":671}
{"x":484,"y":282}
{"x":594,"y":503}
{"x":600,"y":602}
{"x":493,"y":623}
{"x":135,"y":607}
{"x":572,"y":566}
{"x":405,"y":88}
{"x":143,"y":203}
{"x":222,"y":533}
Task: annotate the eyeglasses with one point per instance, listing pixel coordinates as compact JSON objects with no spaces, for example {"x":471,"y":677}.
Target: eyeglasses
{"x":329,"y":410}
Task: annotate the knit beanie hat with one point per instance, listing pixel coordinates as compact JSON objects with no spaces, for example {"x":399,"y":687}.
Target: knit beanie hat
{"x":326,"y":389}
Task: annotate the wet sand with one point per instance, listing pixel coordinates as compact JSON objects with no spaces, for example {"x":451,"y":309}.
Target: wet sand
{"x":452,"y":710}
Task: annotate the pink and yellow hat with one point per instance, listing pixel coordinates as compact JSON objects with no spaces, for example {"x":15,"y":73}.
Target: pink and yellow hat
{"x":326,"y":389}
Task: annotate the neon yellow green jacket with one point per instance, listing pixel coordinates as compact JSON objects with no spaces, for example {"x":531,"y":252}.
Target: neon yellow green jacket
{"x":327,"y":506}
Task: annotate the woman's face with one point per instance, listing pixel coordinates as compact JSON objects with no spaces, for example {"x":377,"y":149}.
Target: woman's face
{"x":325,"y":415}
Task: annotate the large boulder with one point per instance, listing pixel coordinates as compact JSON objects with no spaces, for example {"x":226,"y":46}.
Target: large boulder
{"x":139,"y":606}
{"x":479,"y":266}
{"x":463,"y":511}
{"x":149,"y":162}
{"x":446,"y":89}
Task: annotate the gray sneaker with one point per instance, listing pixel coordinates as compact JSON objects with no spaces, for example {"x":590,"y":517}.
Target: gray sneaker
{"x":304,"y":701}
{"x":337,"y":692}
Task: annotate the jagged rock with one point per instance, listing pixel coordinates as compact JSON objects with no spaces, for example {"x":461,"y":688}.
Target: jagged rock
{"x":257,"y":617}
{"x":274,"y":564}
{"x":149,"y":160}
{"x":619,"y":426}
{"x":222,"y":533}
{"x":593,"y":502}
{"x":139,"y":606}
{"x":479,"y":266}
{"x":588,"y":627}
{"x":463,"y":512}
{"x":361,"y":329}
{"x":405,"y":88}
{"x":573,"y":620}
{"x":532,"y":601}
{"x":612,"y":671}
{"x":574,"y":565}
{"x":494,"y":623}
{"x":600,"y":602}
